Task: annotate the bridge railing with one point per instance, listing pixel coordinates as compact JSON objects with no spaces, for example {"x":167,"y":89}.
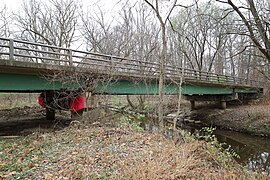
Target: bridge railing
{"x":18,"y":50}
{"x":34,"y":52}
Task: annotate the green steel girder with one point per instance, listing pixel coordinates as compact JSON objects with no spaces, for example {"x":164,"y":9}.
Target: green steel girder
{"x":239,"y":90}
{"x":22,"y":82}
{"x":128,"y":87}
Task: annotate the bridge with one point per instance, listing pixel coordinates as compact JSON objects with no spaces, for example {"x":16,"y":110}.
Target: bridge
{"x":34,"y":67}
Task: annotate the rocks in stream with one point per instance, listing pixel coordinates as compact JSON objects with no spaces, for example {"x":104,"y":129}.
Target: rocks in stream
{"x":182,"y":117}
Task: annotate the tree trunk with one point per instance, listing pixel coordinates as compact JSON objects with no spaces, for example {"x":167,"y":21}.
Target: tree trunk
{"x":162,"y":67}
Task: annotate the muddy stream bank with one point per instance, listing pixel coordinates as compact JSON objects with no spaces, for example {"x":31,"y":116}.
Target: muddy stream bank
{"x":246,"y":128}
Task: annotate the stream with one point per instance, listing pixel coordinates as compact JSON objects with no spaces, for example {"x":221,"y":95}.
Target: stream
{"x":254,"y":151}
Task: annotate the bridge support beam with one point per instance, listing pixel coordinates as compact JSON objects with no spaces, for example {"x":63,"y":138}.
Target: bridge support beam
{"x":93,"y":102}
{"x":50,"y":111}
{"x":50,"y":114}
{"x":223,"y":104}
{"x":192,"y":104}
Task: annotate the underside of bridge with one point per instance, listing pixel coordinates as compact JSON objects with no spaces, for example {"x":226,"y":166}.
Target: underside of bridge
{"x":33,"y":67}
{"x":10,"y":82}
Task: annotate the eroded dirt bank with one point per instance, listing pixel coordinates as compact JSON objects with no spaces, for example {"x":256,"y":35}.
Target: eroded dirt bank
{"x":252,"y":119}
{"x":25,"y":120}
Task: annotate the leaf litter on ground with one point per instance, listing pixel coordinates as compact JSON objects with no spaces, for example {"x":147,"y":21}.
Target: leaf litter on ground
{"x":91,"y":152}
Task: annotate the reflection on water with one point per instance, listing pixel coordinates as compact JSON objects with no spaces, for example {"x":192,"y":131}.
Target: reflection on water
{"x":259,"y":161}
{"x":254,"y":151}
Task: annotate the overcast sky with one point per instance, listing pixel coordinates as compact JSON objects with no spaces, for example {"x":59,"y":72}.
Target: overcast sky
{"x":106,"y":4}
{"x":110,"y":8}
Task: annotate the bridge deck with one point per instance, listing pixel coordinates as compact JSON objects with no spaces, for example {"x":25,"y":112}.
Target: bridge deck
{"x":26,"y":66}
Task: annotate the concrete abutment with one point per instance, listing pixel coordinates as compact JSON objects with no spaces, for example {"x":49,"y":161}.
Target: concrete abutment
{"x":223,"y":104}
{"x":192,"y":105}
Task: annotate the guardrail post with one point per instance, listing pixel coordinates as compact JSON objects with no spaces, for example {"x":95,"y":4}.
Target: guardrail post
{"x":140,"y":67}
{"x":70,"y":57}
{"x":111,"y":64}
{"x":11,"y":49}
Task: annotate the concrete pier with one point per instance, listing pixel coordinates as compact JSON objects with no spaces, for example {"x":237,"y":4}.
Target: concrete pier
{"x":223,"y":104}
{"x":50,"y":114}
{"x":192,"y":104}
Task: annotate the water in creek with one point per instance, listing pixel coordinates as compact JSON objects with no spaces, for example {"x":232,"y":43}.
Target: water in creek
{"x":254,"y":151}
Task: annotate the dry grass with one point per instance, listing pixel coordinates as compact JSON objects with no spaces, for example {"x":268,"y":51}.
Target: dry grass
{"x":106,"y":147}
{"x":103,"y":148}
{"x":81,"y":152}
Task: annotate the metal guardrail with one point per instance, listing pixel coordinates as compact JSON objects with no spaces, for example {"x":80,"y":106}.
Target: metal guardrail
{"x":17,"y":50}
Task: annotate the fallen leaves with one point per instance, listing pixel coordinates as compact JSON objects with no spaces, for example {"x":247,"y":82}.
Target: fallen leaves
{"x":11,"y":173}
{"x":48,"y":176}
{"x":71,"y":154}
{"x":31,"y":165}
{"x":75,"y":153}
{"x":2,"y":177}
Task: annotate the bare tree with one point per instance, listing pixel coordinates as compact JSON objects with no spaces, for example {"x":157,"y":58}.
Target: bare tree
{"x":201,"y":37}
{"x":132,"y":34}
{"x":155,"y":5}
{"x":4,"y":22}
{"x":96,"y":31}
{"x":255,"y":18}
{"x":52,"y":23}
